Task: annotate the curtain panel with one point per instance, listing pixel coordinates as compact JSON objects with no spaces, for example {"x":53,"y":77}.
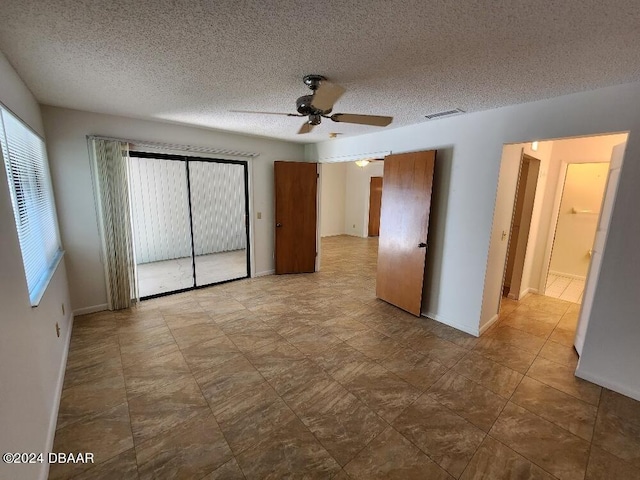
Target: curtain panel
{"x":110,"y":166}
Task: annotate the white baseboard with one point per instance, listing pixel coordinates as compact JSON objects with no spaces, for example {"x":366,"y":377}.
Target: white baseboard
{"x":568,"y":275}
{"x":265,"y":273}
{"x":456,"y":325}
{"x":53,"y":420}
{"x":622,"y":389}
{"x":491,"y":321}
{"x":91,"y":309}
{"x":524,"y":292}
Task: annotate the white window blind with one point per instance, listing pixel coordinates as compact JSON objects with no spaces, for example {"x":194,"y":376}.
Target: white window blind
{"x":25,"y":160}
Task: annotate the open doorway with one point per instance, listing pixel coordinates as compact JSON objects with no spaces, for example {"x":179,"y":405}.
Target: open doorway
{"x":560,"y":248}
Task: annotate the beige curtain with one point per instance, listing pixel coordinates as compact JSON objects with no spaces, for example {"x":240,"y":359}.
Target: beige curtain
{"x":110,"y":167}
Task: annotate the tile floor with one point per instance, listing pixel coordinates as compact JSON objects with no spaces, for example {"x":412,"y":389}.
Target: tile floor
{"x":310,"y":376}
{"x":564,"y":288}
{"x":177,"y":274}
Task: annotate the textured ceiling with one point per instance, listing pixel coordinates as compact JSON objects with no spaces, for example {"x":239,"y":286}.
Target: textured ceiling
{"x":192,"y":61}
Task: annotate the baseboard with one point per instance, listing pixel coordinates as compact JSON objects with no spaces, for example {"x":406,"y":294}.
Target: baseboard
{"x":527,"y":291}
{"x":456,"y":325}
{"x":623,"y":390}
{"x":53,"y":420}
{"x":91,"y":309}
{"x":265,"y":273}
{"x":491,"y":321}
{"x":568,"y":275}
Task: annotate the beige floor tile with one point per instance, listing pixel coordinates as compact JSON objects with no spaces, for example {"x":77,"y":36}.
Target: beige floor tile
{"x":89,"y":399}
{"x":618,"y":437}
{"x":228,"y":471}
{"x":624,"y":407}
{"x":390,"y":456}
{"x":505,"y":354}
{"x":374,"y":344}
{"x":438,"y":349}
{"x":343,"y":327}
{"x":342,"y":362}
{"x":252,"y":417}
{"x":209,"y":353}
{"x":122,"y":467}
{"x":468,"y":399}
{"x":311,"y":339}
{"x":493,"y":460}
{"x":605,"y":466}
{"x":222,"y":383}
{"x":413,"y":368}
{"x":563,"y":378}
{"x":106,"y":435}
{"x":559,"y":353}
{"x":534,"y":322}
{"x":383,"y":392}
{"x":152,"y":372}
{"x":551,"y":447}
{"x":497,"y":378}
{"x":568,"y":412}
{"x":518,"y":338}
{"x":546,"y":304}
{"x":290,"y":451}
{"x":163,"y":409}
{"x":341,"y":422}
{"x":190,"y":450}
{"x":447,"y":438}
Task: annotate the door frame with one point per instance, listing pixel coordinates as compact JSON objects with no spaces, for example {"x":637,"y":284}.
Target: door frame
{"x":247,"y":205}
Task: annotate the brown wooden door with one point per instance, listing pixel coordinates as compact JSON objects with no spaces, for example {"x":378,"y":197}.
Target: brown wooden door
{"x":295,"y":192}
{"x":375,"y":199}
{"x":404,"y":223}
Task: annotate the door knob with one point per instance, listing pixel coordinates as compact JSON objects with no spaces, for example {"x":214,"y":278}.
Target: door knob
{"x":422,"y":245}
{"x":278,"y":224}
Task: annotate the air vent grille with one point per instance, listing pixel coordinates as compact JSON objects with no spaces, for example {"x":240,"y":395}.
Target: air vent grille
{"x":447,"y":113}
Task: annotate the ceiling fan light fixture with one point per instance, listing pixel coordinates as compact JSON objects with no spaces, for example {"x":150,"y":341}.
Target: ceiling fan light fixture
{"x":362,"y":163}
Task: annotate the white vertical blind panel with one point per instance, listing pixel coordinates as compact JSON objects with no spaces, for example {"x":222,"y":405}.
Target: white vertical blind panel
{"x":160,"y":209}
{"x":218,"y":207}
{"x":32,"y":198}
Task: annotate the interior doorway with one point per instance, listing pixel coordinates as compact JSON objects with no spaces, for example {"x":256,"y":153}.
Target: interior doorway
{"x":190,"y":221}
{"x":375,"y":202}
{"x":569,"y":220}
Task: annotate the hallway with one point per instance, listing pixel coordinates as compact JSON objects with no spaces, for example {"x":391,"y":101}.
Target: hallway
{"x":311,"y":376}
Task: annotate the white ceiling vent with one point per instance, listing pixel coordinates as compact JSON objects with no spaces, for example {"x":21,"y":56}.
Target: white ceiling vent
{"x":447,"y":113}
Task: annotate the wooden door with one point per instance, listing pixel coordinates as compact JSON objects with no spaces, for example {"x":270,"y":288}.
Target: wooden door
{"x":404,"y":224}
{"x":375,"y":200}
{"x":295,"y":192}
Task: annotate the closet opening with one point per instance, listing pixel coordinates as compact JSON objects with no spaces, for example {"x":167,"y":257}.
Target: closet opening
{"x":190,"y":221}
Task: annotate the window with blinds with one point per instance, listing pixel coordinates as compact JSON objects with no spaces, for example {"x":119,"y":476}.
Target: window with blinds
{"x":25,"y":161}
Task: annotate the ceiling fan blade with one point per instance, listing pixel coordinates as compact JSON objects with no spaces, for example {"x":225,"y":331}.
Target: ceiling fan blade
{"x":267,"y":113}
{"x":305,"y":128}
{"x":375,"y":120}
{"x":326,"y":95}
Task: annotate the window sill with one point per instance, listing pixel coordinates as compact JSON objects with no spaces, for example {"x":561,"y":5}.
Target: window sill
{"x":38,"y":293}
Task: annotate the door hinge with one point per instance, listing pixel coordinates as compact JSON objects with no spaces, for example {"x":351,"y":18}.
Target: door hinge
{"x":317,"y":175}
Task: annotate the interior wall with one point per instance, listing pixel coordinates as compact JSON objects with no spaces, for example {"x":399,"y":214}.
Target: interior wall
{"x":32,"y":357}
{"x":358,"y":179}
{"x":332,"y":198}
{"x":68,"y":153}
{"x":582,"y":196}
{"x":476,"y":140}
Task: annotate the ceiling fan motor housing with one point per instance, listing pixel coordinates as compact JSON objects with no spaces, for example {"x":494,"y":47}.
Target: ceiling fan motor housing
{"x":304,"y":107}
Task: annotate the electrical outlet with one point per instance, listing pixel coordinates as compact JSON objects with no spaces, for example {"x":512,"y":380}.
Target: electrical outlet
{"x":63,"y":309}
{"x":57,"y":330}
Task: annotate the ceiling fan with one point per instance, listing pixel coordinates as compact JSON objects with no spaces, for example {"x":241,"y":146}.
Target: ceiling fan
{"x":319,"y":105}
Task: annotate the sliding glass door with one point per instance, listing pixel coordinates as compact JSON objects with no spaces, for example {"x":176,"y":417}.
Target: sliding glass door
{"x":190,"y":221}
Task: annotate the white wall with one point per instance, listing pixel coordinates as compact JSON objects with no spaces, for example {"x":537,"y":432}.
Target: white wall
{"x":584,"y":188}
{"x":67,"y":145}
{"x":333,"y":181}
{"x":476,"y":141}
{"x":32,"y":357}
{"x":358,"y":180}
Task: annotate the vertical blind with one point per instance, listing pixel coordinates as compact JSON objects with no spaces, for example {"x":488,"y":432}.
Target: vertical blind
{"x":25,"y":160}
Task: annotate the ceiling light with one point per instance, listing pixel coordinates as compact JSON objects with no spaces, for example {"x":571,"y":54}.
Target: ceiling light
{"x":362,"y":163}
{"x":534,"y":146}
